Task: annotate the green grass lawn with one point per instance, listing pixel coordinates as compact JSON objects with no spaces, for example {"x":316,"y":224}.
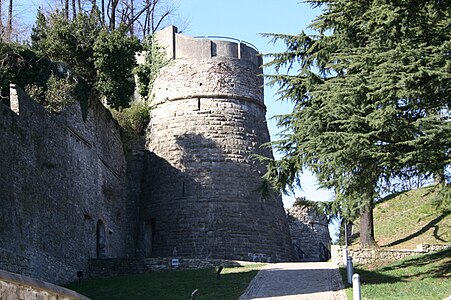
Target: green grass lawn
{"x":407,"y":219}
{"x":421,"y":277}
{"x":171,"y":284}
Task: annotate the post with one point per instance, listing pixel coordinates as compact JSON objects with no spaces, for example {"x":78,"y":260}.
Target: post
{"x":345,"y":256}
{"x":350,"y":269}
{"x":345,"y":250}
{"x":346,"y":233}
{"x":356,"y":294}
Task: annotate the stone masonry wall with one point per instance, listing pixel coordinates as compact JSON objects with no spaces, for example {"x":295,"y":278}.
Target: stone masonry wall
{"x":63,"y":190}
{"x":201,"y":191}
{"x":371,"y":256}
{"x":308,"y":231}
{"x":121,"y":267}
{"x":14,"y":286}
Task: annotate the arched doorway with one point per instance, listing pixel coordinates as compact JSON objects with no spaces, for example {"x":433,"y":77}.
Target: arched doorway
{"x":100,"y":240}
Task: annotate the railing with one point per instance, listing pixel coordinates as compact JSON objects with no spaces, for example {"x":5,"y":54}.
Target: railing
{"x":324,"y":252}
{"x":226,"y":38}
{"x":301,"y":254}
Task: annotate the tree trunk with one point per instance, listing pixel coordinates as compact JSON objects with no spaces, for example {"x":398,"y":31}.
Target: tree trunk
{"x":114,"y":4}
{"x":132,"y":16}
{"x":1,"y":21}
{"x":367,"y":227}
{"x":103,"y":11}
{"x":439,"y":178}
{"x":66,"y":9}
{"x":9,"y":24}
{"x":74,"y":11}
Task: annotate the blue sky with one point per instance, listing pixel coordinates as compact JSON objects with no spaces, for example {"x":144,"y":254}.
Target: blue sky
{"x":244,"y":20}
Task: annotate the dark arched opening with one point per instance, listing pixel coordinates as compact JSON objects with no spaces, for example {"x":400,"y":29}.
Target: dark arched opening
{"x":100,"y":240}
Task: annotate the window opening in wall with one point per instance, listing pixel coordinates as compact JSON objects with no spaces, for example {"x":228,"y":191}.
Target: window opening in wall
{"x":198,"y":103}
{"x":214,"y":49}
{"x":100,"y":240}
{"x":183,"y":189}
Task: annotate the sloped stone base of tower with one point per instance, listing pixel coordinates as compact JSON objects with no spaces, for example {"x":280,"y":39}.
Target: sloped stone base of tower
{"x":201,"y":192}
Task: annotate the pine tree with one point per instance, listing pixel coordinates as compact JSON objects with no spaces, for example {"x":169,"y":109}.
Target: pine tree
{"x":371,"y":98}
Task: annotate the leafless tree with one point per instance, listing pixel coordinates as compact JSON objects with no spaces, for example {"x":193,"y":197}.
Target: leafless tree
{"x":140,"y":17}
{"x":1,"y":19}
{"x":74,"y":12}
{"x":9,"y":23}
{"x":143,"y":17}
{"x":66,"y":8}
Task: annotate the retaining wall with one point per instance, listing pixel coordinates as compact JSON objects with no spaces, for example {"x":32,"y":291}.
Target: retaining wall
{"x":14,"y":286}
{"x":120,"y":267}
{"x":371,"y":256}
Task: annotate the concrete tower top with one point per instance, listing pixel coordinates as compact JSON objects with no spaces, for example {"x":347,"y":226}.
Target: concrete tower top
{"x":180,"y":46}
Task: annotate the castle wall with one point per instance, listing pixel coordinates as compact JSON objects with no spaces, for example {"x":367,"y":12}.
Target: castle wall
{"x":308,"y":231}
{"x":201,"y":186}
{"x":63,"y":190}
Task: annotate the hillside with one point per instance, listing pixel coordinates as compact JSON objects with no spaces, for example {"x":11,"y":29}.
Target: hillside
{"x":410,"y":218}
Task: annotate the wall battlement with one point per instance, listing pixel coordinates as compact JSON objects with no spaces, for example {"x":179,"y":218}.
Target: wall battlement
{"x":179,"y":46}
{"x":207,"y":69}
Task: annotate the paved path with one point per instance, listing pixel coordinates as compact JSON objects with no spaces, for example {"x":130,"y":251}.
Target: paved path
{"x":303,"y":280}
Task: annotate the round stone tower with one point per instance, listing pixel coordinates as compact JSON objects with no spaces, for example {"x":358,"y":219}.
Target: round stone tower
{"x":201,"y":194}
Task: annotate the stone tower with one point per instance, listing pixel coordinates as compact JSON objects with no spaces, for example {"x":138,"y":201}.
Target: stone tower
{"x":201,"y":185}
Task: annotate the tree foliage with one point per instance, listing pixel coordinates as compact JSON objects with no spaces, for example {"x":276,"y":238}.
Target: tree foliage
{"x":114,"y":60}
{"x":51,"y":83}
{"x":154,"y":60}
{"x":58,"y":93}
{"x":371,"y":97}
{"x":104,"y":59}
{"x":68,"y":41}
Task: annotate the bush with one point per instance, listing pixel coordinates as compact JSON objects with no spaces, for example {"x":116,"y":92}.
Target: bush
{"x":134,"y":119}
{"x":59,"y":93}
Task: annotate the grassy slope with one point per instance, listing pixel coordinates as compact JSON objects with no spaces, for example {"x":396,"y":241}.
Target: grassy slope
{"x":409,"y":219}
{"x":422,"y":277}
{"x":170,"y":285}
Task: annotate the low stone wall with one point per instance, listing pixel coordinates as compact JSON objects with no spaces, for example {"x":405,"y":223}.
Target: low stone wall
{"x":14,"y":286}
{"x":370,"y":256}
{"x":120,"y":267}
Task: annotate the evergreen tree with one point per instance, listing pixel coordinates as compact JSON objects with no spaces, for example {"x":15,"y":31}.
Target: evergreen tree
{"x":71,"y":42}
{"x":102,"y":58}
{"x":371,"y":98}
{"x":114,"y":60}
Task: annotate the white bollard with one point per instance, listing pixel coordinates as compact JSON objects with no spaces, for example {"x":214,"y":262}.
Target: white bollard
{"x":349,"y":269}
{"x":356,"y":294}
{"x":345,"y":256}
